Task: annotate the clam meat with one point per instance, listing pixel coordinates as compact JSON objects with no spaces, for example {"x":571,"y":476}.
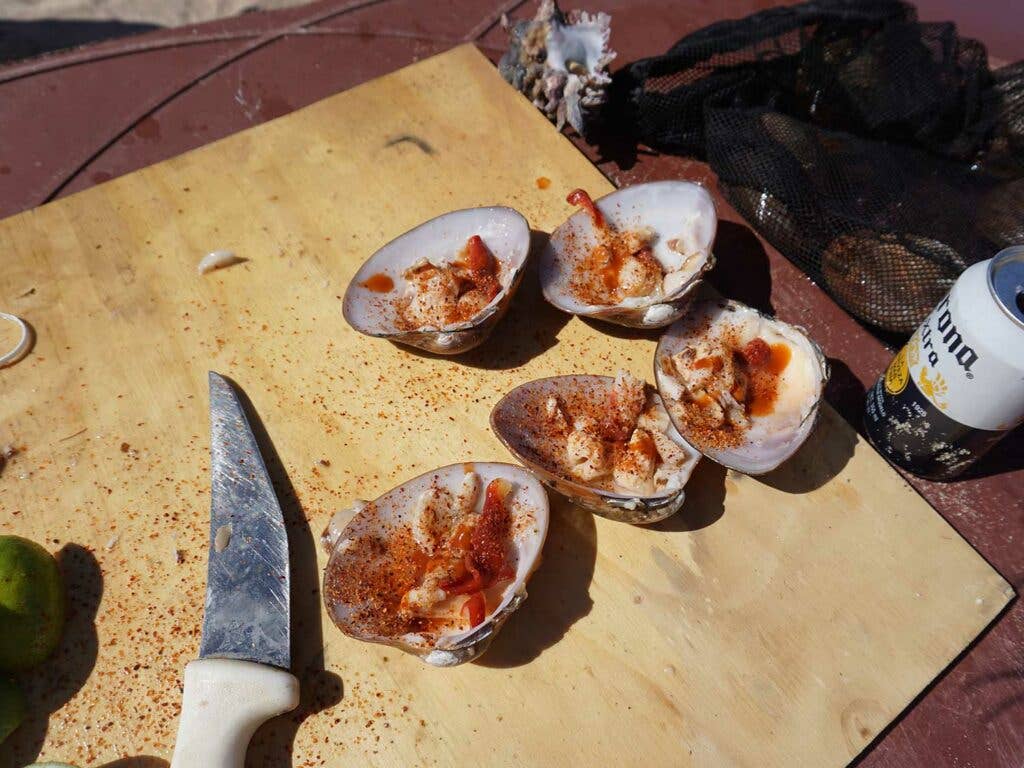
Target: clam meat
{"x":605,"y":443}
{"x":444,"y":285}
{"x":741,"y":387}
{"x":444,"y":294}
{"x":633,"y":256}
{"x":436,"y":565}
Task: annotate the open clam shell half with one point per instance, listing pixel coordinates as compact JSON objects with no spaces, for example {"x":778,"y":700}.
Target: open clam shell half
{"x":411,"y":568}
{"x":522,"y":422}
{"x":741,"y":387}
{"x":678,"y":221}
{"x":378,"y":299}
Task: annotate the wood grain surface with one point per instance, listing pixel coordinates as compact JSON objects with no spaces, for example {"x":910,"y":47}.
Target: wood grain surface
{"x":776,"y":621}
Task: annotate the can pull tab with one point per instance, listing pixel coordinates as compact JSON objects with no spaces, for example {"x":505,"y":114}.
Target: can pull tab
{"x":1006,"y":281}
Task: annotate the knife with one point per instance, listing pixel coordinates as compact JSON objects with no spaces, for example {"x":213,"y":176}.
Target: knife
{"x":241,"y":678}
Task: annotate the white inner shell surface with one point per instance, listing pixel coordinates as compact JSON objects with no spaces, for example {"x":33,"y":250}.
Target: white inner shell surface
{"x":670,"y":210}
{"x":799,"y":385}
{"x":583,"y":42}
{"x":441,"y":240}
{"x":527,"y":503}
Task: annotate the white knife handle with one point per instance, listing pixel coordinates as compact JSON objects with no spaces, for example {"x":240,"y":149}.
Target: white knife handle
{"x":225,"y":701}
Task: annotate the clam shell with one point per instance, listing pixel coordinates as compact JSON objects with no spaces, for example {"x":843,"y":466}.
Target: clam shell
{"x":762,"y":451}
{"x":505,"y":232}
{"x":529,"y":506}
{"x":513,"y":422}
{"x":888,"y":280}
{"x":673,"y":210}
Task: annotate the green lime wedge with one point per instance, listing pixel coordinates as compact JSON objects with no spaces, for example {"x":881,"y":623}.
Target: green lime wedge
{"x":31,"y":603}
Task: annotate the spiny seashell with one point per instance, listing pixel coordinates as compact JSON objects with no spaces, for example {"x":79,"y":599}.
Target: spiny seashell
{"x":741,"y":387}
{"x":404,"y":291}
{"x":560,"y":61}
{"x":410,"y":568}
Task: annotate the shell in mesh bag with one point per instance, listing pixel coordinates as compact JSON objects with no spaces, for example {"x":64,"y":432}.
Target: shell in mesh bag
{"x":879,"y":154}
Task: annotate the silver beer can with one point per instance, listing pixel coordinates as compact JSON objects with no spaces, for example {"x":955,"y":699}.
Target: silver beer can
{"x":957,"y":386}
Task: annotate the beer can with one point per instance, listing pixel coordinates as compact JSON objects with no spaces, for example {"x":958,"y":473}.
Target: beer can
{"x":957,"y":386}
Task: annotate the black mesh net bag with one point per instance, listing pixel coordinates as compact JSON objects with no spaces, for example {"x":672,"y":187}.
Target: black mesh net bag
{"x":880,"y":154}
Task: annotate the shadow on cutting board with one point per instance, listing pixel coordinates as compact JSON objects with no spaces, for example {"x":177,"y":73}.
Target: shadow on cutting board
{"x":827,"y":450}
{"x":559,"y":592}
{"x":319,"y":689}
{"x":623,"y":332}
{"x":529,"y":329}
{"x":51,"y":685}
{"x":845,"y":392}
{"x":704,"y":504}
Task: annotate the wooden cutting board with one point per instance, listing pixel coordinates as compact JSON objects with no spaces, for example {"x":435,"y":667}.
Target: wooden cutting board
{"x":776,"y":621}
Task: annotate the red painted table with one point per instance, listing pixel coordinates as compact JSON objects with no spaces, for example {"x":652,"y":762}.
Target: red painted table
{"x":76,"y":119}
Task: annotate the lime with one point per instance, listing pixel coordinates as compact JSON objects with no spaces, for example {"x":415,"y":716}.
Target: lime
{"x":31,"y":603}
{"x":12,"y":708}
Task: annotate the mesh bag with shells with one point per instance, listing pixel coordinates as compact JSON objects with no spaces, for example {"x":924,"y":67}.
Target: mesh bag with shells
{"x":881,"y":155}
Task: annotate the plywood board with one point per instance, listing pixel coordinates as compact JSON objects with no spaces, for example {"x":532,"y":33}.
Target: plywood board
{"x":775,"y":621}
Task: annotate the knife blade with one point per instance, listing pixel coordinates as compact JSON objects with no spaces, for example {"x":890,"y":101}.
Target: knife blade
{"x":240,"y":679}
{"x":248,"y":598}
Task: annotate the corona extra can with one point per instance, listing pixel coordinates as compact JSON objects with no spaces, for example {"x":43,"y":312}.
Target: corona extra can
{"x":957,"y":386}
